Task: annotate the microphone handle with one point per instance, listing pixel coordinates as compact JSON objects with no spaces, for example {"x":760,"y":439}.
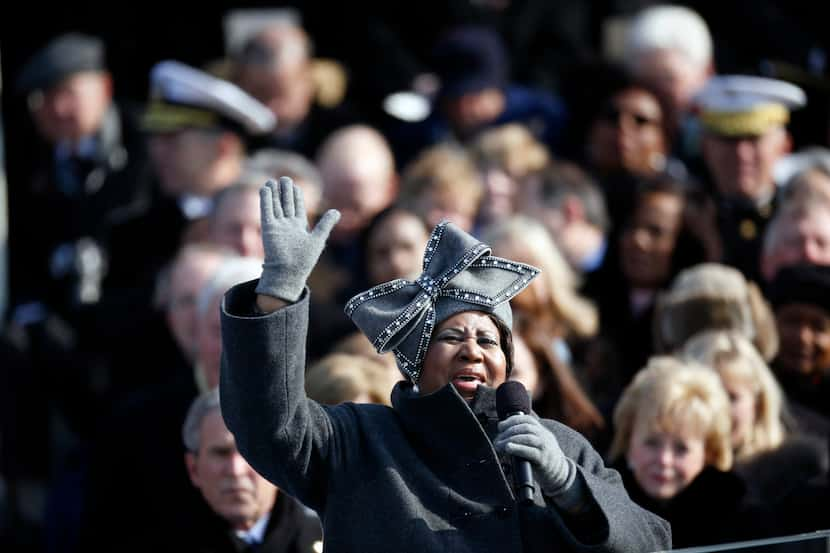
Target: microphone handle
{"x":522,"y":476}
{"x":523,"y":480}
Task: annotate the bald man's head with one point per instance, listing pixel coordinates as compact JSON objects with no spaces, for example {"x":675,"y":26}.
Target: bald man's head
{"x":359,"y":177}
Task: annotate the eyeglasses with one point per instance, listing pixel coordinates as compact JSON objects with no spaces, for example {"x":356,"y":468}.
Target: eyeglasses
{"x":612,"y":114}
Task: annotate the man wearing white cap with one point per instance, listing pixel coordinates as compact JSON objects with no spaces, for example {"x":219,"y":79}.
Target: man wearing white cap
{"x":744,"y":120}
{"x":199,"y":125}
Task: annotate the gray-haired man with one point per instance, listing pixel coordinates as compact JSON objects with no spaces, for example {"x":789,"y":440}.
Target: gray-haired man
{"x":253,"y":512}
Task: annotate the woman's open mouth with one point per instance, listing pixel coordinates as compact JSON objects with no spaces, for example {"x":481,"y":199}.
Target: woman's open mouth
{"x":466,"y":383}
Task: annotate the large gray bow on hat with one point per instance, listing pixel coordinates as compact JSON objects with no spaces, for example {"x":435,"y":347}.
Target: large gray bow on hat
{"x":459,"y":274}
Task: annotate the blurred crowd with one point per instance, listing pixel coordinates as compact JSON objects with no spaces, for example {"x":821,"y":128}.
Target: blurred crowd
{"x":679,"y":213}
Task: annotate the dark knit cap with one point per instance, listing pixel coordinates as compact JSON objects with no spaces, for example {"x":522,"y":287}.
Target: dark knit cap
{"x":62,"y":57}
{"x":470,"y":59}
{"x":808,"y":284}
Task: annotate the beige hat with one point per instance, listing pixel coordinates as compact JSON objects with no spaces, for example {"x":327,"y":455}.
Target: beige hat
{"x":713,"y":296}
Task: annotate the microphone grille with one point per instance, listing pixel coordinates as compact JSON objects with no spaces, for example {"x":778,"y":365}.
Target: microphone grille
{"x":512,"y":397}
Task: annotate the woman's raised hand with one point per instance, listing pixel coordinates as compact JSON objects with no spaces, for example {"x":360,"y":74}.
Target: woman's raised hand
{"x":291,"y":250}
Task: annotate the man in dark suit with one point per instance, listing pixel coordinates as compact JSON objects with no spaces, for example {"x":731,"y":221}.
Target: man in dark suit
{"x":69,"y":187}
{"x":84,"y":182}
{"x":275,"y":65}
{"x":249,"y":513}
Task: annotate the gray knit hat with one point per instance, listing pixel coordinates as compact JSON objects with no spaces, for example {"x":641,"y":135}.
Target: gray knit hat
{"x":459,"y":274}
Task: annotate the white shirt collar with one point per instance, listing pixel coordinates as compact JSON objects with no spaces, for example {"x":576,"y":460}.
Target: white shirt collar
{"x":195,"y":207}
{"x":256,"y":534}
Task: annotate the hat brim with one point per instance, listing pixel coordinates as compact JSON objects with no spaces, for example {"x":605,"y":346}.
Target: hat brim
{"x":162,"y":117}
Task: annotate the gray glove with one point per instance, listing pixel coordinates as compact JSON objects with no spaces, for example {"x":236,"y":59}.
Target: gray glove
{"x":291,"y":251}
{"x":524,"y":436}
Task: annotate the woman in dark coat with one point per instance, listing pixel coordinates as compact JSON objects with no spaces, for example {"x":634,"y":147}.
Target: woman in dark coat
{"x":672,"y":447}
{"x":658,"y":240}
{"x":429,"y":473}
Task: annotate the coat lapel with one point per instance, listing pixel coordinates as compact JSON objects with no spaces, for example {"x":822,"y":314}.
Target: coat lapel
{"x":452,"y":436}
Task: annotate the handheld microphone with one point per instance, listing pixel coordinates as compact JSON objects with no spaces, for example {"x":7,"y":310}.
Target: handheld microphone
{"x":512,"y":399}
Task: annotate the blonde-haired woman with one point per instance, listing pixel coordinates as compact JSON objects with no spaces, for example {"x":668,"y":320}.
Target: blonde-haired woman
{"x":442,"y":183}
{"x":755,"y":396}
{"x":546,"y":314}
{"x":672,"y":447}
{"x":771,"y":460}
{"x":342,"y":377}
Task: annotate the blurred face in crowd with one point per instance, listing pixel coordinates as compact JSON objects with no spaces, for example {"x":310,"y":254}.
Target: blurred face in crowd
{"x":628,"y":134}
{"x":187,"y":278}
{"x":673,"y":75}
{"x":182,"y":159}
{"x":665,"y":462}
{"x":648,"y":241}
{"x":742,"y":166}
{"x":465,"y":351}
{"x":743,"y":407}
{"x":396,"y":248}
{"x":209,"y":340}
{"x":359,"y":178}
{"x":804,"y":331}
{"x":311,"y":198}
{"x":358,"y":201}
{"x":275,"y":70}
{"x":525,"y":367}
{"x":812,"y":184}
{"x":802,"y":238}
{"x":73,"y":108}
{"x":227,"y":482}
{"x":436,"y":205}
{"x":236,"y":223}
{"x":469,"y":112}
{"x":499,"y":193}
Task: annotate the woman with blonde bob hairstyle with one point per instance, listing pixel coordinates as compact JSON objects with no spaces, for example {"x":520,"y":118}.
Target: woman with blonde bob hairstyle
{"x":755,"y":396}
{"x":771,"y":454}
{"x":507,"y":157}
{"x":670,"y":395}
{"x":672,"y":447}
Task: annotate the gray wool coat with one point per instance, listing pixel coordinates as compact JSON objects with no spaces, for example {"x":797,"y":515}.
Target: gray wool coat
{"x":421,"y":476}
